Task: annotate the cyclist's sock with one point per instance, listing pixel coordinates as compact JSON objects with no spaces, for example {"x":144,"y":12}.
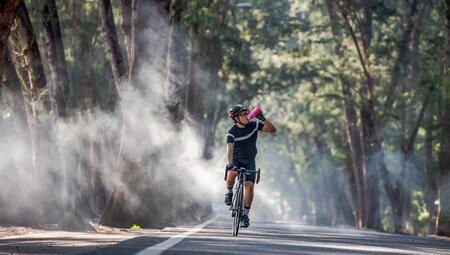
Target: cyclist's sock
{"x":246,"y":210}
{"x":230,"y":190}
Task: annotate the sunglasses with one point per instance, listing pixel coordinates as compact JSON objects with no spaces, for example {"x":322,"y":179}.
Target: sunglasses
{"x":244,"y":113}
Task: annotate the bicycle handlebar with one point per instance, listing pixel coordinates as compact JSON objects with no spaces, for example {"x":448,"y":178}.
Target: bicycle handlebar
{"x":246,"y":171}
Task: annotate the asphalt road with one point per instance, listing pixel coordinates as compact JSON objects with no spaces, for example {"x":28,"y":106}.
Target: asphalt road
{"x":215,"y":238}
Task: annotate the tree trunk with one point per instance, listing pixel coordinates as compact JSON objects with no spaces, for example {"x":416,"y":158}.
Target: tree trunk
{"x":204,"y":82}
{"x":371,"y":149}
{"x":325,"y":207}
{"x":351,"y":124}
{"x":350,"y":191}
{"x":88,"y":88}
{"x":13,"y":85}
{"x":126,"y":11}
{"x":354,"y":140}
{"x":29,"y":62}
{"x":342,"y":205}
{"x":194,"y":106}
{"x":369,"y":124}
{"x":430,"y":173}
{"x":409,"y":131}
{"x":23,"y":155}
{"x":77,"y":6}
{"x":443,"y":222}
{"x":370,"y":133}
{"x":116,"y":212}
{"x":149,"y":32}
{"x":8,"y":11}
{"x":212,"y":103}
{"x":57,"y":62}
{"x":116,"y":58}
{"x":58,"y":87}
{"x":407,"y":174}
{"x":77,"y":65}
{"x":411,"y":128}
{"x":176,"y":65}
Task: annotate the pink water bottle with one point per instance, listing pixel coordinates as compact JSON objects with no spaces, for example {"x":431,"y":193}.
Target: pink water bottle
{"x":254,"y":112}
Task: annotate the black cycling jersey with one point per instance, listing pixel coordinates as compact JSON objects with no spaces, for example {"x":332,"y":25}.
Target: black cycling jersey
{"x":244,"y":140}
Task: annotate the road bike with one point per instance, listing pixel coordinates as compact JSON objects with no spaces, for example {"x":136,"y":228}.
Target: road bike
{"x":237,"y":206}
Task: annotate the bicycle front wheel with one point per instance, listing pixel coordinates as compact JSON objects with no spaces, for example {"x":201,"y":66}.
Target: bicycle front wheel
{"x":238,"y":211}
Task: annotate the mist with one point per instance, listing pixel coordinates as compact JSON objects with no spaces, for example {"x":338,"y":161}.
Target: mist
{"x":63,"y":171}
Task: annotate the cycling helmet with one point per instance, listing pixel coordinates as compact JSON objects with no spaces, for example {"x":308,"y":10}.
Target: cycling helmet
{"x":237,"y":109}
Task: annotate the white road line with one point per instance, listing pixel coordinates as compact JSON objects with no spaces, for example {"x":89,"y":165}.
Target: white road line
{"x":161,"y":247}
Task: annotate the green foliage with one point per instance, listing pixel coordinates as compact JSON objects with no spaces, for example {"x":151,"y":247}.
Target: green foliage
{"x":88,"y":66}
{"x":281,"y":54}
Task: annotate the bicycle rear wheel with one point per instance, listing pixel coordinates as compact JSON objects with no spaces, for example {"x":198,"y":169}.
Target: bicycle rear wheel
{"x":238,"y":210}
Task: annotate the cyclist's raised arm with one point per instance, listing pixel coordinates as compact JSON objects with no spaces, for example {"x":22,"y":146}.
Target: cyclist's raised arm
{"x":230,"y":148}
{"x":268,"y":127}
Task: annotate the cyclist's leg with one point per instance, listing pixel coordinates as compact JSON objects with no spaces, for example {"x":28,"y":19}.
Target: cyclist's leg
{"x":231,"y":177}
{"x":249,"y":183}
{"x":248,"y":197}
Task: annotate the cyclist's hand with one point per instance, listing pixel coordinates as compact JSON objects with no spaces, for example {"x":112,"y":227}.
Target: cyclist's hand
{"x":230,"y":167}
{"x":260,"y":116}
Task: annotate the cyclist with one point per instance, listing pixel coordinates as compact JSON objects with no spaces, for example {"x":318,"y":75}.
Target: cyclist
{"x":241,"y":152}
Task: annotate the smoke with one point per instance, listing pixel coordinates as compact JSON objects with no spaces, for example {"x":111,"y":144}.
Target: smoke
{"x":64,"y":169}
{"x":396,"y":162}
{"x":69,"y":167}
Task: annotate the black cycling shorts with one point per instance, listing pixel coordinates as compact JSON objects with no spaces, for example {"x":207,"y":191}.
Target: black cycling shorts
{"x":247,"y":165}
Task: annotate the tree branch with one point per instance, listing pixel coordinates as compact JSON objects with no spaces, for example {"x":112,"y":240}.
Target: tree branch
{"x":403,"y":50}
{"x":412,"y":136}
{"x":358,"y":48}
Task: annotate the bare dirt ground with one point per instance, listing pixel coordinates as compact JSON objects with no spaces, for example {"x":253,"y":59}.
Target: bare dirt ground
{"x":14,"y":231}
{"x":21,"y":240}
